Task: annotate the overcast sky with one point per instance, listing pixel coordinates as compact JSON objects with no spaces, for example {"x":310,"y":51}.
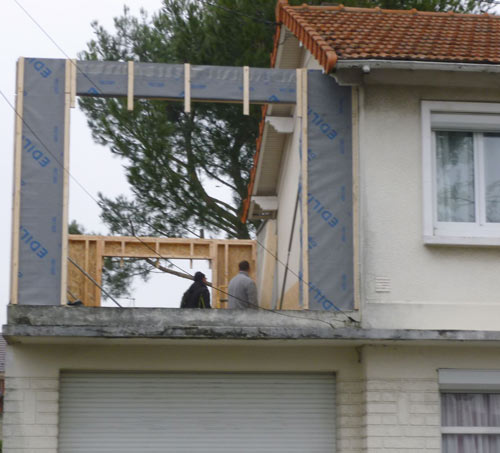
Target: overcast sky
{"x":68,"y":23}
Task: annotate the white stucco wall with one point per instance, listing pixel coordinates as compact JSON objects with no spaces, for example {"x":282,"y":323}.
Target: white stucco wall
{"x":431,"y":287}
{"x":387,"y":396}
{"x":32,"y":383}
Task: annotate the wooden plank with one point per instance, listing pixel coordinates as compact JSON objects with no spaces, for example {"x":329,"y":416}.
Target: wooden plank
{"x":98,"y":270}
{"x":16,"y":208}
{"x":93,"y":295}
{"x":268,"y":266}
{"x":73,"y":83}
{"x":216,"y":295}
{"x":246,"y":90}
{"x":65,"y":206}
{"x":226,"y":265}
{"x":298,"y":107}
{"x":305,"y":228}
{"x":355,"y":196}
{"x":187,"y":88}
{"x":130,"y":86}
{"x":87,"y":268}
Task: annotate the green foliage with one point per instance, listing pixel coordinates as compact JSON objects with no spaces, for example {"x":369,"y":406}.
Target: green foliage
{"x":171,"y":157}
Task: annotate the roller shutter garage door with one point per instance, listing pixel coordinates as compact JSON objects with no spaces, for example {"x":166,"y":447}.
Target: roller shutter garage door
{"x":206,"y":412}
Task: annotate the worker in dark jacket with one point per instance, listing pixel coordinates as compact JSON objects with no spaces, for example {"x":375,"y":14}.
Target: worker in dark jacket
{"x":197,"y":296}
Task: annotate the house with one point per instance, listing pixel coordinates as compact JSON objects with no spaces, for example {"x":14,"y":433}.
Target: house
{"x":377,"y":181}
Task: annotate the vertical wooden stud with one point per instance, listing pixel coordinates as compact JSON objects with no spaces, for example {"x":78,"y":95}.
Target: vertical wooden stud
{"x":215,"y":275}
{"x":187,"y":88}
{"x":74,"y":68}
{"x":226,"y":264}
{"x":298,"y":95}
{"x":130,"y":86}
{"x":16,"y":208}
{"x":99,"y":251}
{"x":246,"y":90}
{"x":305,"y":220}
{"x":355,"y":196}
{"x":86,"y":267}
{"x":65,"y":207}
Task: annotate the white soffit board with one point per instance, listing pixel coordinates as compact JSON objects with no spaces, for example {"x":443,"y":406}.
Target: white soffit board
{"x":469,"y":380}
{"x":196,"y":412}
{"x":268,"y":167}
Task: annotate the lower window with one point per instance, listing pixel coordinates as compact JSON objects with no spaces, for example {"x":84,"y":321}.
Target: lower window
{"x":470,"y":411}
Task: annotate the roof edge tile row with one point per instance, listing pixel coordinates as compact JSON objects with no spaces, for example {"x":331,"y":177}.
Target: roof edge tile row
{"x":324,"y":53}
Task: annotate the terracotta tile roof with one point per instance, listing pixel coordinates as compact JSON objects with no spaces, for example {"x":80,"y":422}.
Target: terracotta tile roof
{"x":333,"y":33}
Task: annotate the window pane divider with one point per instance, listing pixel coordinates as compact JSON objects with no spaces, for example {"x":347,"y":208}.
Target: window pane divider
{"x":470,"y":430}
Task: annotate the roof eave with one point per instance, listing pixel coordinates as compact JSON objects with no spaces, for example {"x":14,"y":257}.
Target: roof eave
{"x":367,"y":65}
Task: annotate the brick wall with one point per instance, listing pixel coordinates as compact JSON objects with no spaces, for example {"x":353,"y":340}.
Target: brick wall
{"x":350,"y":410}
{"x":31,"y":415}
{"x":402,"y":415}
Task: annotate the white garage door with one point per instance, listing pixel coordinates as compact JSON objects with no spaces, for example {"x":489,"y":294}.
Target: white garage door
{"x":206,"y":412}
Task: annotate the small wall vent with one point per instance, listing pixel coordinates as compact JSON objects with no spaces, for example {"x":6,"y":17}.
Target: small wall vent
{"x":382,"y":285}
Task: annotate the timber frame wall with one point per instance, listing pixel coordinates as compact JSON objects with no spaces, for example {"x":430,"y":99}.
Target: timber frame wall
{"x":88,"y":252}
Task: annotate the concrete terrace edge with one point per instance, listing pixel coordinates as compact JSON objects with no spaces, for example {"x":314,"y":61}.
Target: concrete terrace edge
{"x":162,"y":323}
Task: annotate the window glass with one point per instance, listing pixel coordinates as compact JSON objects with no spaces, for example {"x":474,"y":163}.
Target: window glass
{"x":492,"y":176}
{"x":471,"y":443}
{"x":470,"y":410}
{"x":455,"y":176}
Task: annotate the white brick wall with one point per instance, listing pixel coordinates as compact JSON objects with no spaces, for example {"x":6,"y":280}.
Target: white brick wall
{"x":402,"y":415}
{"x":30,"y":415}
{"x":350,"y":409}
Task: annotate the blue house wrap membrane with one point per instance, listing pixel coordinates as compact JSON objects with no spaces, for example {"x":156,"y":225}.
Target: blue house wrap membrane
{"x":329,"y":197}
{"x":166,"y":81}
{"x":41,"y":201}
{"x":42,"y":149}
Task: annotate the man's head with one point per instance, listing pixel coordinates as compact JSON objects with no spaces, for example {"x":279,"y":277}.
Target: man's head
{"x":199,"y":277}
{"x":244,"y":266}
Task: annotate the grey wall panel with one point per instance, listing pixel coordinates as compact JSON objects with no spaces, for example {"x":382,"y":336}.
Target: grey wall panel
{"x":41,"y":200}
{"x":329,"y":194}
{"x":158,"y":80}
{"x":107,"y":78}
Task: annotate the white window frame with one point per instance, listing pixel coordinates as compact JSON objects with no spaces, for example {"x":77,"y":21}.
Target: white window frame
{"x":469,"y":381}
{"x":475,"y":117}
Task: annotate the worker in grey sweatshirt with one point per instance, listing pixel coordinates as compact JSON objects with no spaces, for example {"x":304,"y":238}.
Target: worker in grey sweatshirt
{"x":242,"y":289}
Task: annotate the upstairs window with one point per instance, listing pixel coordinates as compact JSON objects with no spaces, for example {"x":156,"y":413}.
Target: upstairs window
{"x":461,"y":172}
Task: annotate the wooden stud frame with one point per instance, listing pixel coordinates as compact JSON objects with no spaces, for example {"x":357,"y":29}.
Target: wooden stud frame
{"x":16,"y":214}
{"x":89,"y":251}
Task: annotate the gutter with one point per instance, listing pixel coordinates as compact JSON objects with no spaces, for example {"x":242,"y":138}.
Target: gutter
{"x":367,"y":65}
